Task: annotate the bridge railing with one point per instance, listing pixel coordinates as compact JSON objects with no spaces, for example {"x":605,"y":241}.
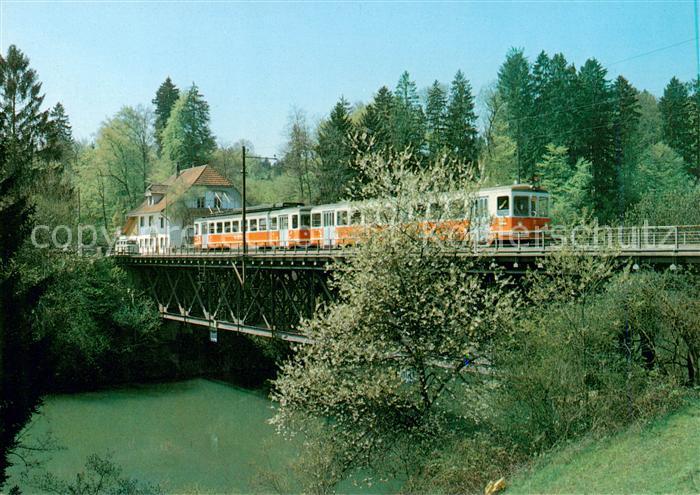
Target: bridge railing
{"x":623,"y":239}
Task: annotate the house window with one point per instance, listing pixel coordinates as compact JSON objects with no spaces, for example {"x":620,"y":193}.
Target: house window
{"x":150,"y":220}
{"x":162,"y":222}
{"x":141,"y":221}
{"x":201,"y":202}
{"x":217,"y":201}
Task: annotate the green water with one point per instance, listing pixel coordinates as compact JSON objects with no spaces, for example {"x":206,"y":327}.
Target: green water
{"x":197,"y":435}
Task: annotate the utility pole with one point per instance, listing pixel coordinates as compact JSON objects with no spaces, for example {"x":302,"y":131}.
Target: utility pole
{"x":243,"y":223}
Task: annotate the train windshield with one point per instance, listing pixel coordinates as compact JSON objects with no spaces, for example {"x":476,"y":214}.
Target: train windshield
{"x":521,"y":206}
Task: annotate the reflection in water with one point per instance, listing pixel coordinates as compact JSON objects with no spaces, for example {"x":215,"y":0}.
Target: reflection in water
{"x":190,"y":435}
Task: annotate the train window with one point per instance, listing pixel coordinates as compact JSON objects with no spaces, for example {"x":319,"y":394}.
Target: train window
{"x":521,"y":206}
{"x":543,"y":210}
{"x":253,"y":225}
{"x":236,"y":226}
{"x":295,"y":221}
{"x":315,"y":219}
{"x":534,"y":211}
{"x":205,"y":230}
{"x":262,"y":224}
{"x":284,"y":222}
{"x":273,"y":223}
{"x":196,"y":229}
{"x":436,"y":211}
{"x":305,"y":220}
{"x":503,"y":203}
{"x":212,"y":228}
{"x":356,"y":218}
{"x":342,"y":217}
{"x":227,"y":227}
{"x":419,"y":211}
{"x":457,"y":209}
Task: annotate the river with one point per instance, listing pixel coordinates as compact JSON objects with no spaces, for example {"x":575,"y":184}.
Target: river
{"x":197,"y":435}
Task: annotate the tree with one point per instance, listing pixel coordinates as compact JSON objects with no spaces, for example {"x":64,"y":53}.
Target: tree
{"x":59,"y":135}
{"x":187,"y":138}
{"x":299,"y":157}
{"x":626,"y":116}
{"x":570,"y":188}
{"x":114,"y":175}
{"x":594,"y":139}
{"x":24,"y":123}
{"x":498,"y":161}
{"x":461,"y":133}
{"x":676,"y":118}
{"x":166,"y":97}
{"x":335,"y":153}
{"x":408,"y":118}
{"x":22,"y":135}
{"x":385,"y":382}
{"x":694,"y":161}
{"x":436,"y":119}
{"x":662,"y":170}
{"x":515,"y":89}
{"x":376,"y":124}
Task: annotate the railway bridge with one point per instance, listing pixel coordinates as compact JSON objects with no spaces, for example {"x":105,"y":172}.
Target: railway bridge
{"x":267,"y":292}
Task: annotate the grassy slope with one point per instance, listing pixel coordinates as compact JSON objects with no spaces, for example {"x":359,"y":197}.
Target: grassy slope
{"x":662,"y":457}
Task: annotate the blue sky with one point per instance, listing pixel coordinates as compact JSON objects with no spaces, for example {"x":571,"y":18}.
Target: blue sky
{"x":255,"y":62}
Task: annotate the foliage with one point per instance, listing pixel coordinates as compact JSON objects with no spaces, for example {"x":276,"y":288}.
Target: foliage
{"x":569,"y":187}
{"x":675,"y":113}
{"x":166,"y":97}
{"x":661,"y":169}
{"x":187,"y":139}
{"x":668,"y":207}
{"x":94,"y":323}
{"x":299,"y":158}
{"x":460,"y":128}
{"x":113,"y":174}
{"x":389,"y":369}
{"x":99,"y":476}
{"x":335,"y":153}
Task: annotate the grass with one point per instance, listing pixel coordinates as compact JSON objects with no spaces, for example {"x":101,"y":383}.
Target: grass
{"x":661,"y":457}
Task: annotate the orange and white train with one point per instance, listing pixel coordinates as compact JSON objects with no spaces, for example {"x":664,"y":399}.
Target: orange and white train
{"x":504,"y":212}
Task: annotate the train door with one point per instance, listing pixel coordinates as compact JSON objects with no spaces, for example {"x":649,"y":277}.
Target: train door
{"x":328,"y":228}
{"x":205,"y":234}
{"x":283,"y":223}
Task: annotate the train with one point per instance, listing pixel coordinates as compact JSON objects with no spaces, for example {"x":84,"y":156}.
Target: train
{"x":515,"y":212}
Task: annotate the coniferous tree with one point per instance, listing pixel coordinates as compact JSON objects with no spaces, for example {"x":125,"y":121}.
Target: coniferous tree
{"x":377,"y":123}
{"x":461,"y":121}
{"x":408,"y":118}
{"x":675,"y":109}
{"x":695,"y":127}
{"x":335,"y":153}
{"x":187,"y":139}
{"x":594,"y":139}
{"x":166,"y":97}
{"x":515,"y":89}
{"x":626,"y":115}
{"x":59,"y":134}
{"x":436,"y":119}
{"x":23,"y":128}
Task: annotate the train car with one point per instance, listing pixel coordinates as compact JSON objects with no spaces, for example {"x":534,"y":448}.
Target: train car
{"x":504,"y":213}
{"x":267,"y":226}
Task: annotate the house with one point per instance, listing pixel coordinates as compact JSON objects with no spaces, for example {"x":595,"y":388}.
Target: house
{"x":165,"y":218}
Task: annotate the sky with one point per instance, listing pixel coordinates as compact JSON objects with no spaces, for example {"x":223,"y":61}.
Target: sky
{"x":255,"y":62}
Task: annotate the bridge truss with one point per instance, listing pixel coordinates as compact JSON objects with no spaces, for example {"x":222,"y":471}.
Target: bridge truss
{"x":263,"y":296}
